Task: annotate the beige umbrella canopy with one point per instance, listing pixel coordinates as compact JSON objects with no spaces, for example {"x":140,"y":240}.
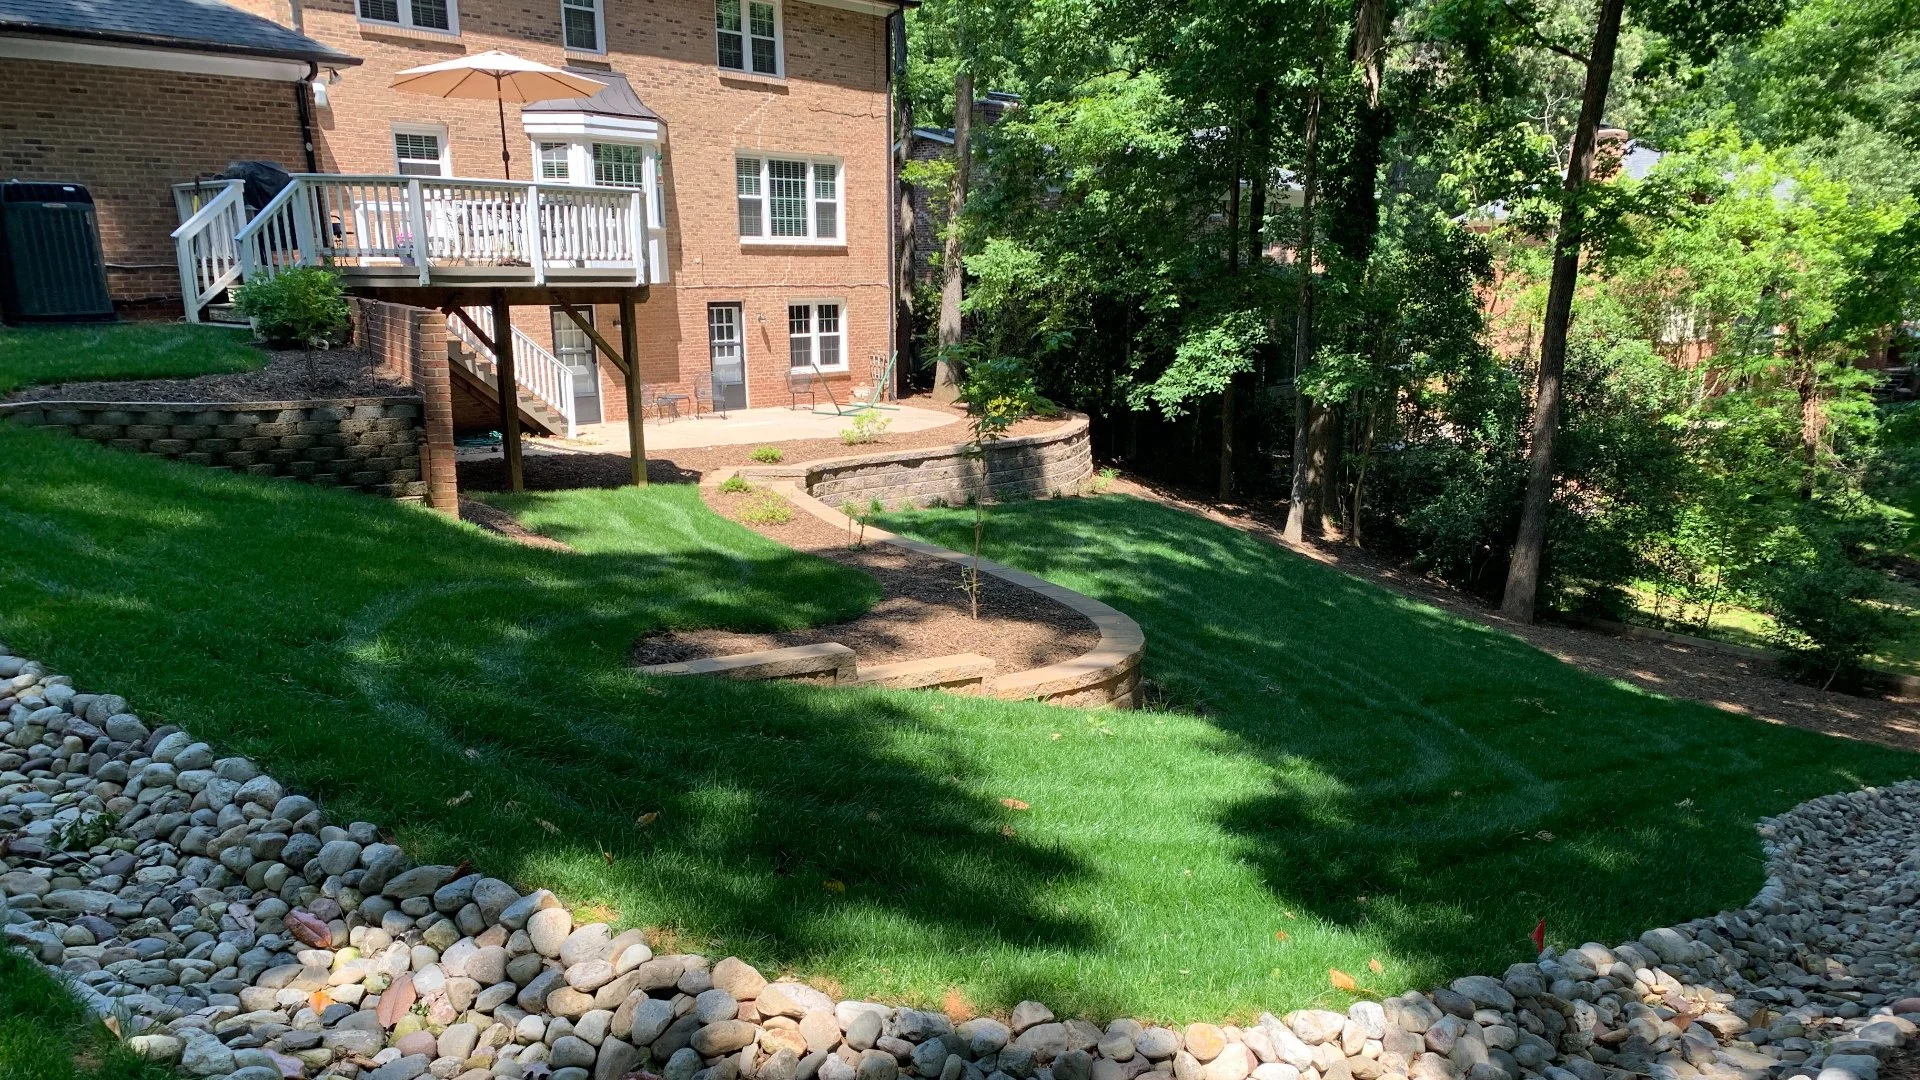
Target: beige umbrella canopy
{"x":496,"y":76}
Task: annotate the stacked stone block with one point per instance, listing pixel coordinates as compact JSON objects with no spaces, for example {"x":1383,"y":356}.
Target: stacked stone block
{"x":1030,"y":466}
{"x":368,"y":444}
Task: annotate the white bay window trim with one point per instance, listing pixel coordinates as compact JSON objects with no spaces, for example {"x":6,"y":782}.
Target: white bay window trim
{"x":425,"y":16}
{"x":786,"y":199}
{"x":817,"y":335}
{"x":568,"y":139}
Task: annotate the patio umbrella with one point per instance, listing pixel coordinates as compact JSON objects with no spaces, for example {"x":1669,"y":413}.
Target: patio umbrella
{"x":500,"y":77}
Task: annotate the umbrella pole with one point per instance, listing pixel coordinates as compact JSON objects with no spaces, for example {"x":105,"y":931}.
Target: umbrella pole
{"x":506,"y":157}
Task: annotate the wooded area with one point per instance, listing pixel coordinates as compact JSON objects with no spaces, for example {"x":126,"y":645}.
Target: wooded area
{"x":1610,"y":304}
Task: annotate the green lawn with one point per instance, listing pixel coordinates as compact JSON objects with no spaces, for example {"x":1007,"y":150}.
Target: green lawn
{"x":143,"y":350}
{"x":1363,"y":774}
{"x":45,"y":1034}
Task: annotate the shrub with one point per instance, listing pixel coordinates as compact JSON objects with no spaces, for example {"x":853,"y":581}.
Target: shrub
{"x":300,"y":308}
{"x":767,"y":455}
{"x":1000,"y":391}
{"x":768,"y":509}
{"x":735,"y":485}
{"x":1814,"y":580}
{"x":866,"y":427}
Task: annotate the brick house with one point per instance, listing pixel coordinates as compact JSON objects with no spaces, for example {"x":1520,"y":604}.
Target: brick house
{"x":130,"y":98}
{"x":759,"y":132}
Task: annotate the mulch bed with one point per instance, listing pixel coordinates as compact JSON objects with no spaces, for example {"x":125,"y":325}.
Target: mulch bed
{"x":571,"y":468}
{"x":494,"y":519}
{"x":1731,"y":683}
{"x":923,"y":613}
{"x":339,"y":373}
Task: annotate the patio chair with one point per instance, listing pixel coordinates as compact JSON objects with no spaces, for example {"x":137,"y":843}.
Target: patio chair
{"x":709,"y":399}
{"x":801,"y":383}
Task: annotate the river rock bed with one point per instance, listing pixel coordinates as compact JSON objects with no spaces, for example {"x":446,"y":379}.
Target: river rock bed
{"x":238,"y":933}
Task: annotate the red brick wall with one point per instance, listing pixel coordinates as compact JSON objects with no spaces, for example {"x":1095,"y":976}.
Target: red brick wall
{"x":833,"y":101}
{"x":129,"y":135}
{"x":410,"y":343}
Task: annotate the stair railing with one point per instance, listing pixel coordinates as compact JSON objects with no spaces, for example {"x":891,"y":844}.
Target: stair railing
{"x":205,"y":250}
{"x":536,"y":370}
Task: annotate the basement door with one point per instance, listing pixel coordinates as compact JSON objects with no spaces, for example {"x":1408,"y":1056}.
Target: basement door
{"x":572,"y":347}
{"x":727,"y":348}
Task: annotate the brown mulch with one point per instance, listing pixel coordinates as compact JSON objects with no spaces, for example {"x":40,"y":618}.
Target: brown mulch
{"x":493,"y":519}
{"x":923,"y":612}
{"x":572,"y":468}
{"x":339,"y":373}
{"x":1737,"y":684}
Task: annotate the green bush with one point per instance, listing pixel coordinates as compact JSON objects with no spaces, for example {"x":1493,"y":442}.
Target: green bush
{"x":1001,"y":391}
{"x":767,"y":455}
{"x":735,"y":485}
{"x":866,"y":427}
{"x":299,"y":308}
{"x":1815,"y":579}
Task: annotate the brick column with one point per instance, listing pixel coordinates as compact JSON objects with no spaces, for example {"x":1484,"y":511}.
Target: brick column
{"x":430,"y":375}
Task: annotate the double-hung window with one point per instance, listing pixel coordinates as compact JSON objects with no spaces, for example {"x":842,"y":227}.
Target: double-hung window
{"x":816,"y":336}
{"x":617,"y":165}
{"x":581,"y":24}
{"x":554,"y":163}
{"x":748,"y":35}
{"x":788,"y":200}
{"x":421,"y":151}
{"x":412,"y":14}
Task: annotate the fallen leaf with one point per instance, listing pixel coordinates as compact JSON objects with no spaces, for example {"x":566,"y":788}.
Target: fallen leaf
{"x":647,"y":818}
{"x":396,"y":1000}
{"x":319,"y":1000}
{"x":1340,"y":980}
{"x":472,"y":755}
{"x":1014,"y":804}
{"x":112,"y":1023}
{"x":460,"y":798}
{"x":834,"y":885}
{"x":1006,"y":831}
{"x":309,"y":929}
{"x":873,"y":815}
{"x":1374,"y":966}
{"x":1055,"y":736}
{"x":547,"y":825}
{"x":1280,"y":935}
{"x":1288,"y":914}
{"x":1539,"y":935}
{"x":607,"y":855}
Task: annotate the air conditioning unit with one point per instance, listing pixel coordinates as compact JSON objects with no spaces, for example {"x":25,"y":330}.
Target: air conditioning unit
{"x":51,"y":269}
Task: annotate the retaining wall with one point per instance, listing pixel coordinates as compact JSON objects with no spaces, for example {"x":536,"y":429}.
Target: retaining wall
{"x":372,"y":444}
{"x":1026,"y":466}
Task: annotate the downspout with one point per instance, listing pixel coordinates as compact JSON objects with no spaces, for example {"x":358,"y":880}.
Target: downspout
{"x":302,"y":101}
{"x":892,"y":205}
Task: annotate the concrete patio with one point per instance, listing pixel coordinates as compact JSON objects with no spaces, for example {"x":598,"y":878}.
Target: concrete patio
{"x":742,"y":426}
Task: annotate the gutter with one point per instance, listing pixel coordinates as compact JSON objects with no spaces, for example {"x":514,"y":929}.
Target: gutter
{"x":303,"y":104}
{"x":321,"y":55}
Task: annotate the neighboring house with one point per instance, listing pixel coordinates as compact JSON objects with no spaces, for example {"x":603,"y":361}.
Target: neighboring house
{"x":929,"y":211}
{"x":130,"y":98}
{"x":758,"y":131}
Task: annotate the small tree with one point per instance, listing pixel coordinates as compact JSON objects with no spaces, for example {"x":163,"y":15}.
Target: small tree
{"x":301,"y":307}
{"x":999,"y":393}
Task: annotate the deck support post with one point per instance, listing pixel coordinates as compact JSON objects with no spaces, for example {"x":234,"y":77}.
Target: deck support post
{"x":636,"y":416}
{"x":506,"y":389}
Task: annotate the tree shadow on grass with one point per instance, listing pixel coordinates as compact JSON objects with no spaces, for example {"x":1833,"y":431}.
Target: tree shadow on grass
{"x":471,"y":695}
{"x":1435,"y":785}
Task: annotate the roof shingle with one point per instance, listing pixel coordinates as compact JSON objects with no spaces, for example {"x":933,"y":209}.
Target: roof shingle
{"x":192,"y":25}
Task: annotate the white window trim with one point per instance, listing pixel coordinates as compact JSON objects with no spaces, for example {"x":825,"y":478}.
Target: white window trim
{"x":599,"y":29}
{"x":814,"y":302}
{"x":766,"y":237}
{"x":406,"y":19}
{"x":746,"y":38}
{"x":438,"y":131}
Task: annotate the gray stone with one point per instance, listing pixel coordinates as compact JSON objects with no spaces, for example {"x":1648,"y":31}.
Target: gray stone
{"x":1029,"y":1014}
{"x":549,"y":929}
{"x":419,"y":881}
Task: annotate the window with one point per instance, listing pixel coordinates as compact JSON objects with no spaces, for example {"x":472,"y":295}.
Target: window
{"x":617,"y":165}
{"x":580,"y":22}
{"x":553,"y":161}
{"x":748,"y":32}
{"x":816,"y":337}
{"x":788,"y":200}
{"x":421,"y":152}
{"x":417,"y":14}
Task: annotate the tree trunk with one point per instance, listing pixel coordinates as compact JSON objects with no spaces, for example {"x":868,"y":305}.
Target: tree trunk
{"x":1360,"y":478}
{"x":1523,"y":572}
{"x":946,"y":374}
{"x":1226,"y":395}
{"x":1323,"y":466}
{"x":1303,"y":319}
{"x":904,"y":334}
{"x":1812,"y":420}
{"x":1259,"y":176}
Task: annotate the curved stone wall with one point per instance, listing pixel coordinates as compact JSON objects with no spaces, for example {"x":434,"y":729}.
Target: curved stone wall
{"x":1059,"y":461}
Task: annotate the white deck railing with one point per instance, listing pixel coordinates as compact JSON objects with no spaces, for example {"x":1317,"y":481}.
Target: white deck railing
{"x":535,"y":370}
{"x":205,"y":243}
{"x":430,"y":224}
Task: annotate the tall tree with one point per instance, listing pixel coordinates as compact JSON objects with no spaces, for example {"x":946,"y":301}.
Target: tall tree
{"x":1523,"y":572}
{"x":953,"y":268}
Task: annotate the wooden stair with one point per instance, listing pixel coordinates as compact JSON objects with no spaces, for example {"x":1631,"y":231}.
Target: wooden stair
{"x":479,"y":373}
